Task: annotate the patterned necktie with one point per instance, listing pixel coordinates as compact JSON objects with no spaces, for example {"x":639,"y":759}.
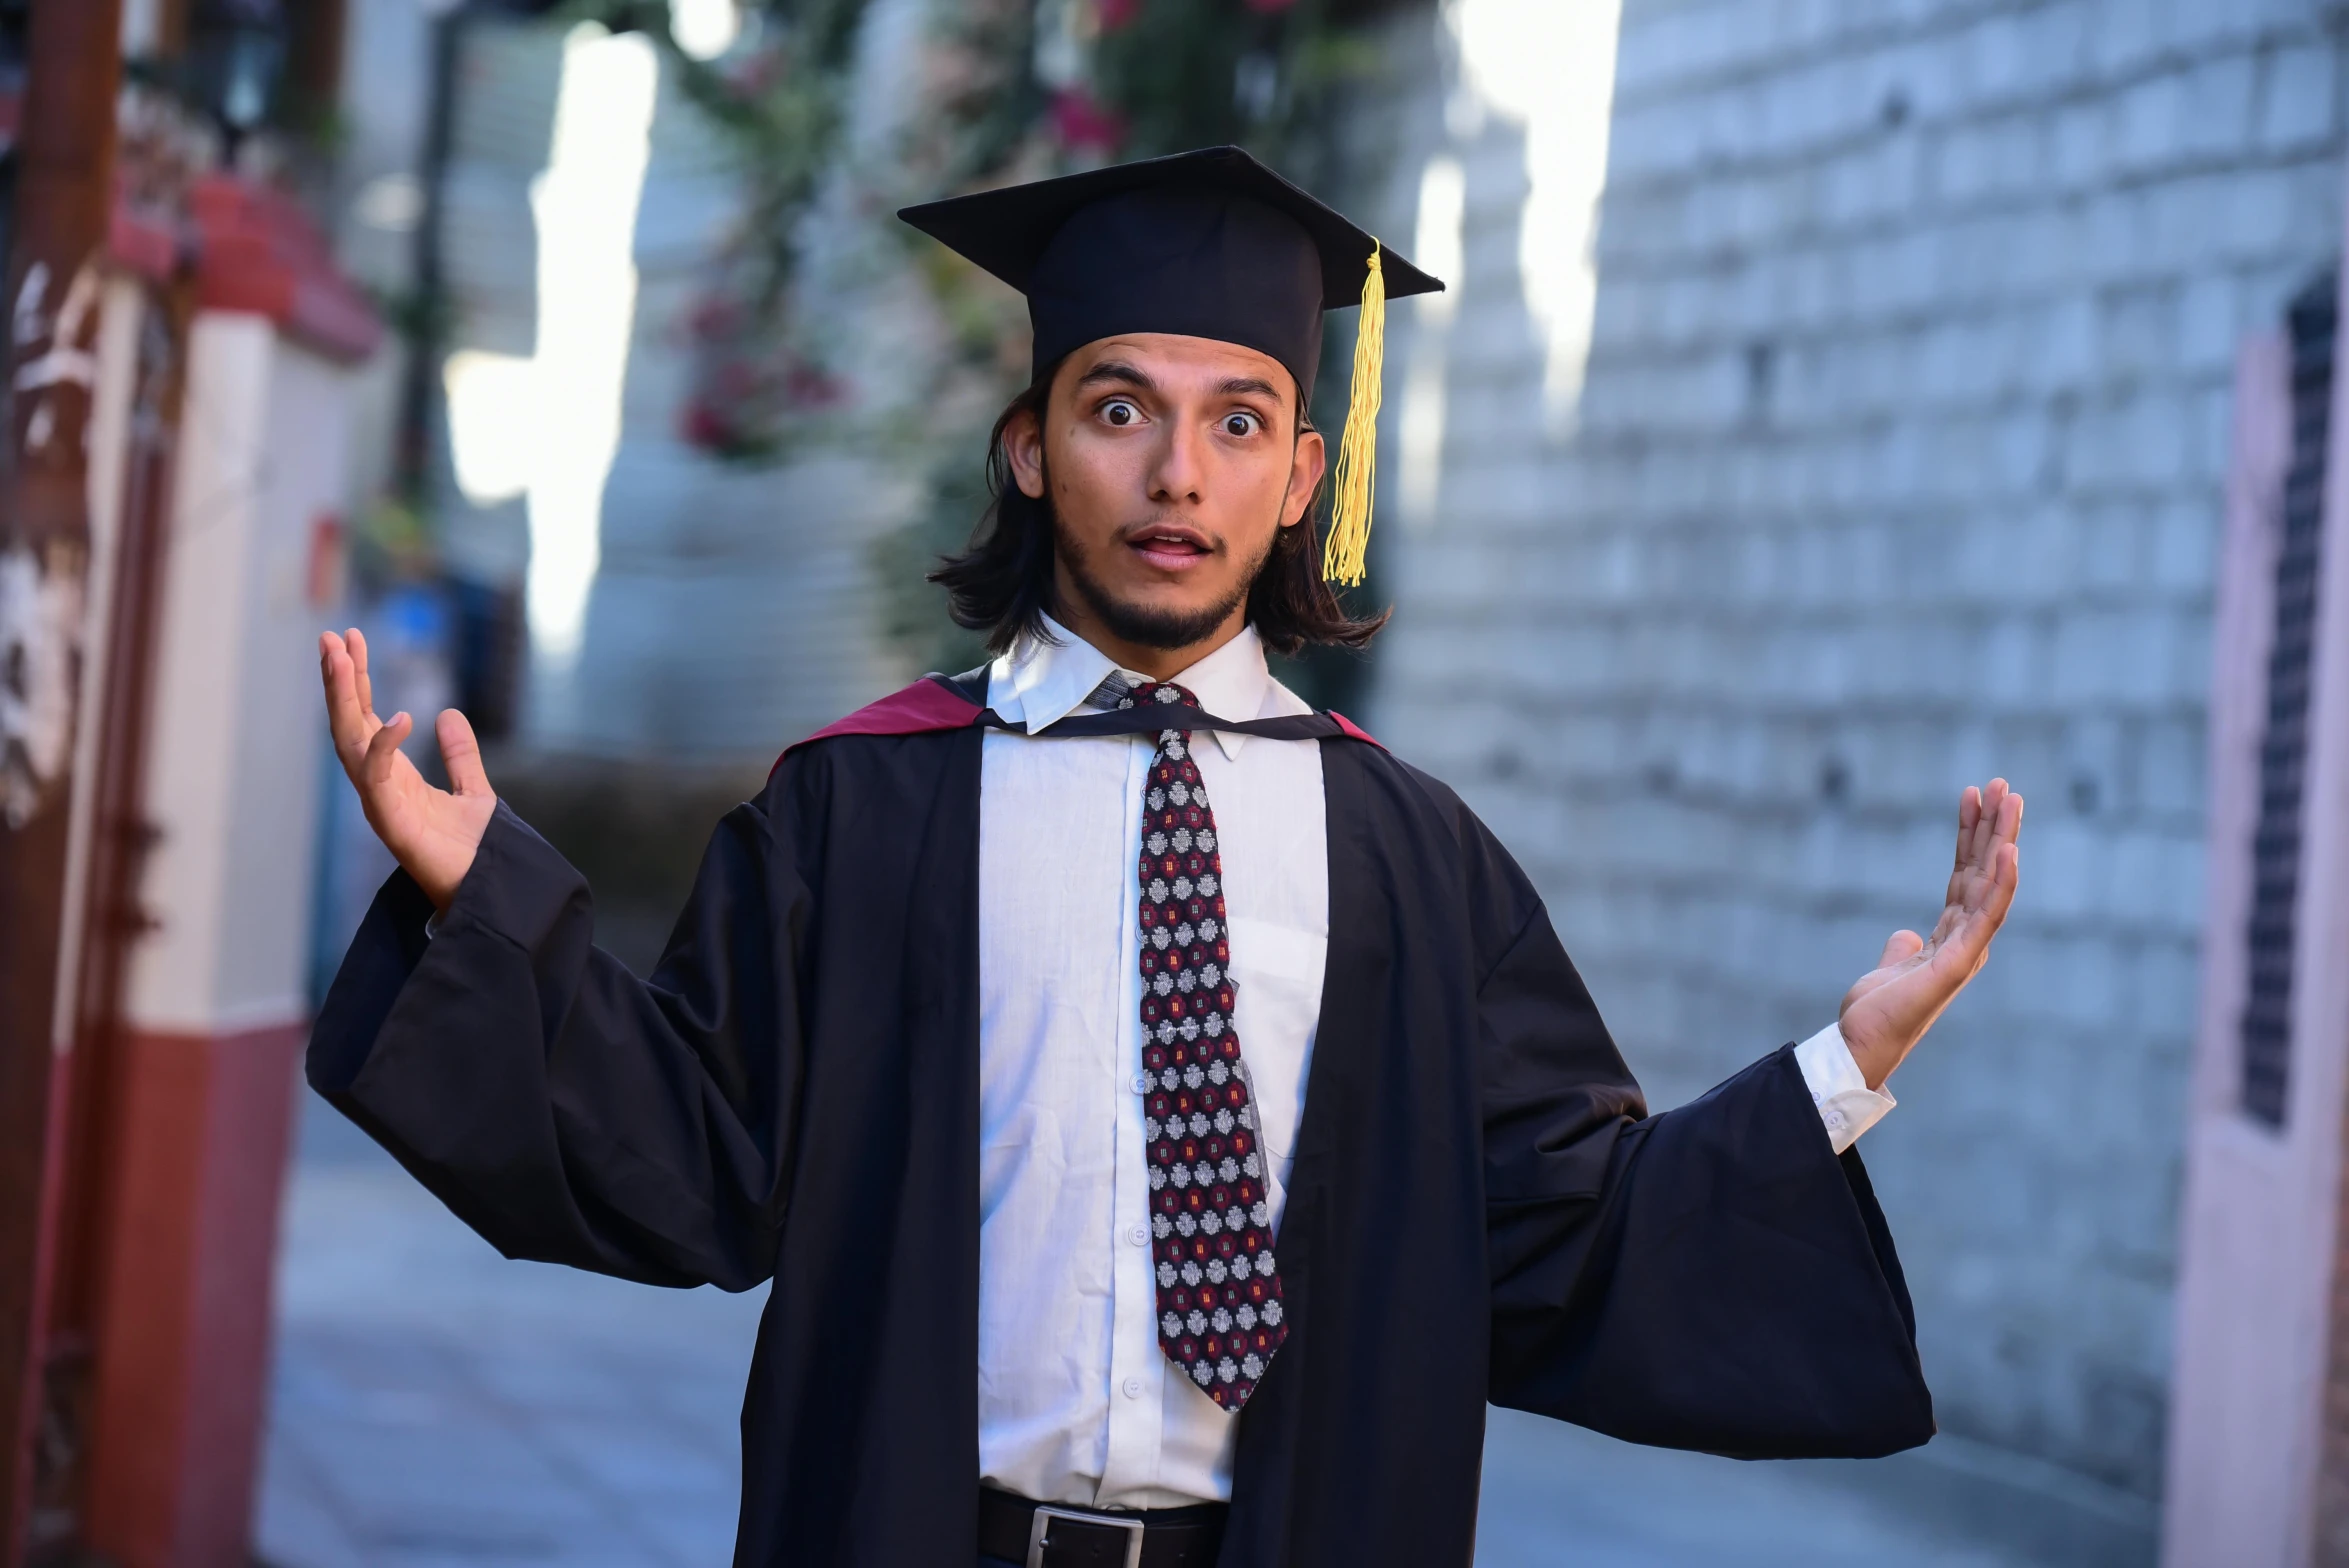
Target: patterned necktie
{"x":1219,"y":1301}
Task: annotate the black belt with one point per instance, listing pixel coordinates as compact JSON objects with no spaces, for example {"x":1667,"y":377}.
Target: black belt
{"x":1052,"y":1535}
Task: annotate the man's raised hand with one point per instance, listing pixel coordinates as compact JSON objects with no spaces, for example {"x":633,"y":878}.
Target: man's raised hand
{"x":1888,"y":1009}
{"x":431,"y":832}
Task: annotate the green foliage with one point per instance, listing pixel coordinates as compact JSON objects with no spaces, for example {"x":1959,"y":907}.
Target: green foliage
{"x":776,"y":104}
{"x":984,"y":103}
{"x":1199,"y":73}
{"x":779,"y":111}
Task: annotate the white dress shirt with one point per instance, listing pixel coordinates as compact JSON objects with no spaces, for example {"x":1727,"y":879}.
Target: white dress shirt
{"x":1076,"y":1404}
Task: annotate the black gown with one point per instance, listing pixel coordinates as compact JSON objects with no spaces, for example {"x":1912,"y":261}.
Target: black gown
{"x":1479,"y":1209}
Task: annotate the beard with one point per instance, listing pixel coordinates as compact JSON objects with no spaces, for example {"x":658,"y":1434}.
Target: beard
{"x":1147,"y":625}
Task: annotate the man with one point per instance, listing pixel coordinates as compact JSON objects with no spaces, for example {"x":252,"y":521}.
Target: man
{"x":1117,"y":1212}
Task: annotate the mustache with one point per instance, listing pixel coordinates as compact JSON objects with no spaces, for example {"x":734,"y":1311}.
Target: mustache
{"x":1174,"y":528}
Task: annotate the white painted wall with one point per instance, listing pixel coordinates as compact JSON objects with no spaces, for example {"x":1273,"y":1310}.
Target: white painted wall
{"x":233,"y":766}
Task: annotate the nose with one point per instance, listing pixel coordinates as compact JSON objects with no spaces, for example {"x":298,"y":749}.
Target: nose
{"x":1177,"y":468}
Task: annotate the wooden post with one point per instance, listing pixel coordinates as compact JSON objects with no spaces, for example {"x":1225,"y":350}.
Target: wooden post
{"x":64,"y":195}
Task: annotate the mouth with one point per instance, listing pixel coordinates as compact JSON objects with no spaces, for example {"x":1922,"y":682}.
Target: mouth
{"x":1171,"y":547}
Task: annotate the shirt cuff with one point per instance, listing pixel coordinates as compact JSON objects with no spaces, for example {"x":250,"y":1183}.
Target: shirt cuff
{"x":1847,"y":1106}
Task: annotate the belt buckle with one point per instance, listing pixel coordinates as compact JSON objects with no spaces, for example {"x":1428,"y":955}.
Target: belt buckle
{"x":1043,"y":1523}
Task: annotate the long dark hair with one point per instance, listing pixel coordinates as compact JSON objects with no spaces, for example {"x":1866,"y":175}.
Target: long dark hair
{"x":1001,"y":584}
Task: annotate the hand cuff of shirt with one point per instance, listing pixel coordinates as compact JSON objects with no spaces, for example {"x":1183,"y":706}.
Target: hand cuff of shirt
{"x":1846,"y":1104}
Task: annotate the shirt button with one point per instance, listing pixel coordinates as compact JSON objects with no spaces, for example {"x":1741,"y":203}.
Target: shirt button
{"x":1139,"y":1235}
{"x":1141,"y":1083}
{"x":1133,"y":1388}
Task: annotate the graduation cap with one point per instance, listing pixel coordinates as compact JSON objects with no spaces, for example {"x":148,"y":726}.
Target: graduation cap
{"x":1207,"y":244}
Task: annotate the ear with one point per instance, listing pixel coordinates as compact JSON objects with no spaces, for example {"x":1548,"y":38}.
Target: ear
{"x":1308,"y":462}
{"x":1023,"y":443}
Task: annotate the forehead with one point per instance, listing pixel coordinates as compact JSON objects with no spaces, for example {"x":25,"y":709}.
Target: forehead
{"x":1179,"y":364}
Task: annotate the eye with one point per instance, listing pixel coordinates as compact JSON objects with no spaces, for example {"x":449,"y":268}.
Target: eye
{"x":1119,"y":412}
{"x":1239,"y":426}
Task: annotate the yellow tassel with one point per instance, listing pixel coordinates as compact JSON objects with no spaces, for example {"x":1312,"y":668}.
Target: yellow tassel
{"x":1349,"y":523}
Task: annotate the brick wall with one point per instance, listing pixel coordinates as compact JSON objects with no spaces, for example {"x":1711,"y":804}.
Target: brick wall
{"x":1898,"y":462}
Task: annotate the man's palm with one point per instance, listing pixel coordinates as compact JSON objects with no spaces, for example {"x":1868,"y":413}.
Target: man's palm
{"x":433,"y":833}
{"x":1888,"y":1009}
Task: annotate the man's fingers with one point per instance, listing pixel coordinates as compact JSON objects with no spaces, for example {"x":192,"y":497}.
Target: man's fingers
{"x":2001,"y":822}
{"x":1969,"y":813}
{"x":2006,"y":875}
{"x":1995,"y":802}
{"x":344,"y":720}
{"x":357,"y":640}
{"x":1987,"y":817}
{"x":1899,"y":948}
{"x":1970,"y":942}
{"x":462,"y":753}
{"x":1986,"y":823}
{"x":383,"y":749}
{"x":330,"y":656}
{"x":1975,"y":814}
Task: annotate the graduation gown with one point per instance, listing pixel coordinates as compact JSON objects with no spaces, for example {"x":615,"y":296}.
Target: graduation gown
{"x":1480,"y":1208}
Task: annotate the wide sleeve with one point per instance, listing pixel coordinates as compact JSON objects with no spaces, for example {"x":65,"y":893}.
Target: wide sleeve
{"x":1714,"y":1277}
{"x":565,"y":1109}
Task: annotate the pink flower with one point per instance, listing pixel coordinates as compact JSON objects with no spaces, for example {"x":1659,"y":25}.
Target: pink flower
{"x":703,"y":427}
{"x":1114,"y":14}
{"x":736,"y":381}
{"x":755,"y":75}
{"x":714,"y":319}
{"x":1080,"y":122}
{"x":812,"y":386}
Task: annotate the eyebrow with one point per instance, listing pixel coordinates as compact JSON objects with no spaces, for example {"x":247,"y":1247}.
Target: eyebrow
{"x":1120,"y":372}
{"x":1241,"y":386}
{"x":1116,"y":371}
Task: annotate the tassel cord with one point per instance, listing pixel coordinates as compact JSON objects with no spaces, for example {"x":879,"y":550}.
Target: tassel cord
{"x":1344,"y":553}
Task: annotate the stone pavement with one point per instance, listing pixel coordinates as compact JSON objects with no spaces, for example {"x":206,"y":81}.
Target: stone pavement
{"x":436,"y":1406}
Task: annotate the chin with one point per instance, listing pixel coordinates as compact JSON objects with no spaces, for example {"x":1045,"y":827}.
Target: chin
{"x":1162,"y":620}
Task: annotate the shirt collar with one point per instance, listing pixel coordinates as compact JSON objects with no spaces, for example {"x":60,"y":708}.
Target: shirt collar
{"x":1042,"y":680}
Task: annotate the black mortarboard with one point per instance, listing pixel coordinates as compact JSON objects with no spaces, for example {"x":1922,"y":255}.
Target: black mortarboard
{"x":1207,"y":244}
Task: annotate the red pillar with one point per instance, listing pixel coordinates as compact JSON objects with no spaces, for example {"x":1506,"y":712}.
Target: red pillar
{"x":181,"y":1364}
{"x":194,"y":1038}
{"x":65,"y":154}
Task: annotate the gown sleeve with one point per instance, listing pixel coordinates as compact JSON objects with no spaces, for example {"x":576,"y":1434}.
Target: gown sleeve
{"x":565,"y":1109}
{"x":1715,"y":1277}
